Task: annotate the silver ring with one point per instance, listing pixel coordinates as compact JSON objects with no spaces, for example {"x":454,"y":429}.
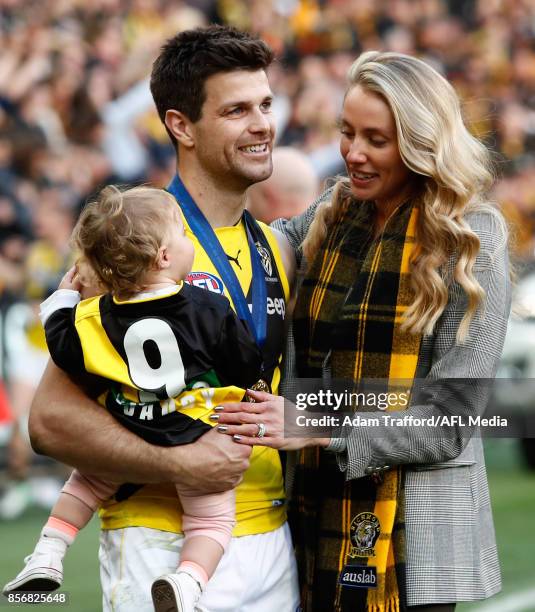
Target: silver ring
{"x":261,"y":430}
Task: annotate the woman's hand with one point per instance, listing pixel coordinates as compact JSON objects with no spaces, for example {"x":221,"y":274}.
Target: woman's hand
{"x":260,"y":423}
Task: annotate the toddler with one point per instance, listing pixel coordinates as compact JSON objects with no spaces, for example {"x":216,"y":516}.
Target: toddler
{"x":158,"y":342}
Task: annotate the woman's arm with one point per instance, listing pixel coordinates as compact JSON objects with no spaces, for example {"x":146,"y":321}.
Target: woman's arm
{"x":459,"y":375}
{"x":68,"y":426}
{"x":457,"y":383}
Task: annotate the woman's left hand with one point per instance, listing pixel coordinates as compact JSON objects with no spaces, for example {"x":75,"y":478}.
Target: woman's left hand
{"x":260,"y":423}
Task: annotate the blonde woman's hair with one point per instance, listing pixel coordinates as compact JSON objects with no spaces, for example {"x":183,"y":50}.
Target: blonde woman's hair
{"x":455,"y":177}
{"x":120,"y":233}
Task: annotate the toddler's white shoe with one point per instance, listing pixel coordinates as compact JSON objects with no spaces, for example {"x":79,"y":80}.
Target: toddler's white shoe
{"x":175,"y":593}
{"x":43,"y":570}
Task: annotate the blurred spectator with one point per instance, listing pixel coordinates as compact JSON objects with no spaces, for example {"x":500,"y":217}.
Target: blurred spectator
{"x":72,"y":75}
{"x":291,"y":188}
{"x":14,"y":236}
{"x":48,"y":258}
{"x":75,"y":111}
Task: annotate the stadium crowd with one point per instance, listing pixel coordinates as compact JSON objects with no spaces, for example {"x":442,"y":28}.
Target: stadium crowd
{"x":76,"y":112}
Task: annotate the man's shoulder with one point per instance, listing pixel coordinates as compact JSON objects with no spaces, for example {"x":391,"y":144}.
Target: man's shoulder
{"x":274,"y":237}
{"x":269,"y":232}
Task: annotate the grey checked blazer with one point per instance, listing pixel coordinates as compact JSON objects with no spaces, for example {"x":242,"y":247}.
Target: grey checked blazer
{"x":451,"y":548}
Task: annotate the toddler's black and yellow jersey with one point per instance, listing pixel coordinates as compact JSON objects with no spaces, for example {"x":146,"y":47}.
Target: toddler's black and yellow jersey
{"x":260,"y":496}
{"x":154,"y":350}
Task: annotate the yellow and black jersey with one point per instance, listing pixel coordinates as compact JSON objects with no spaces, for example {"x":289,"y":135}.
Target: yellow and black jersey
{"x":154,"y":350}
{"x":260,"y":496}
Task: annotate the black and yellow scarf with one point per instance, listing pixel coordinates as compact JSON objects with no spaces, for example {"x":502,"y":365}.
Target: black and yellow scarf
{"x":351,"y":305}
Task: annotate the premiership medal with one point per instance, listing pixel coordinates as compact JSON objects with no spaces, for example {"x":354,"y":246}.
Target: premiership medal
{"x":260,"y":385}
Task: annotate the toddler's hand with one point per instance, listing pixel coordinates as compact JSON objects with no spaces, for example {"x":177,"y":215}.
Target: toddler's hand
{"x":90,"y":285}
{"x":71,"y":280}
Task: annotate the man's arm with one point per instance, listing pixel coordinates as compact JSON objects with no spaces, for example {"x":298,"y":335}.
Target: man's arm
{"x":289,"y":262}
{"x":67,"y":425}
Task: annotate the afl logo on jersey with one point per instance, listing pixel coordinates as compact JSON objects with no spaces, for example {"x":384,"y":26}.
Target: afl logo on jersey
{"x":204,"y":280}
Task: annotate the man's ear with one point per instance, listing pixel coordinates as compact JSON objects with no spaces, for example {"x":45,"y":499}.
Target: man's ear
{"x":180,"y":126}
{"x":162,"y":259}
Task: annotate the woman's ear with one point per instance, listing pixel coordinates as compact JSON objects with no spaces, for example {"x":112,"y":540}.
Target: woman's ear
{"x":180,"y":126}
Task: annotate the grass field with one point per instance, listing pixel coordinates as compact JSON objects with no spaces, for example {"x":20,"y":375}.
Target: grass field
{"x":513,"y":498}
{"x":512,"y":491}
{"x":82,"y":585}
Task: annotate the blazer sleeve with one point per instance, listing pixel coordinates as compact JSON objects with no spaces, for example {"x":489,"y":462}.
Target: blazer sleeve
{"x":63,"y":341}
{"x":239,"y":361}
{"x":458,"y":379}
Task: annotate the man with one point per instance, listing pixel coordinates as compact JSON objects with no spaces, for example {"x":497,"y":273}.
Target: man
{"x":212,"y":93}
{"x":289,"y":190}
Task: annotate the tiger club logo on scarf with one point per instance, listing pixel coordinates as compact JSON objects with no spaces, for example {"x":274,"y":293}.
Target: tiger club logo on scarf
{"x":364,"y":531}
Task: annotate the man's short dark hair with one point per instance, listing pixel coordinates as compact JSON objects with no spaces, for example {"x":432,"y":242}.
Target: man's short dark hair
{"x":190,"y":57}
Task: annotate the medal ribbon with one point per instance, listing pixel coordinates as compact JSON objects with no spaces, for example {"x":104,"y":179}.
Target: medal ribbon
{"x":199,"y":225}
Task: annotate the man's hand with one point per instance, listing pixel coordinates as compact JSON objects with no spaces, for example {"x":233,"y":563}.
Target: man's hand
{"x":213,"y":463}
{"x":67,"y":425}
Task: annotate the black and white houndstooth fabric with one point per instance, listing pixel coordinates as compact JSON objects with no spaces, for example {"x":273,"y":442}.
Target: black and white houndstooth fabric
{"x":451,"y":548}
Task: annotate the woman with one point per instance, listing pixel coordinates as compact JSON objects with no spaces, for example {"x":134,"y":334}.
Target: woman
{"x":407,"y":278}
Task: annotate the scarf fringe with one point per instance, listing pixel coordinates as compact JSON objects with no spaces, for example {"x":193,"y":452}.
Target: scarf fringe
{"x":390,"y":605}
